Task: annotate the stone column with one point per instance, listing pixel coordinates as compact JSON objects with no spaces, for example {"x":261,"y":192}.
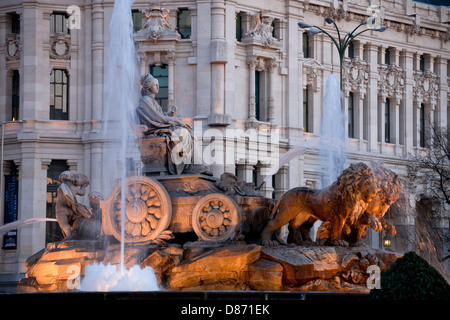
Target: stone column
{"x":281,"y":182}
{"x":442,"y":110}
{"x":171,"y":59}
{"x":395,"y":123}
{"x":416,"y":122}
{"x":218,"y":59}
{"x":30,"y":63}
{"x":372,"y":98}
{"x":4,"y":114}
{"x":97,"y":59}
{"x":271,"y":67}
{"x":382,"y":119}
{"x":409,"y":109}
{"x":266,"y":188}
{"x":203,"y":76}
{"x":245,"y":171}
{"x":252,"y":62}
{"x":359,"y":115}
{"x":32,"y":195}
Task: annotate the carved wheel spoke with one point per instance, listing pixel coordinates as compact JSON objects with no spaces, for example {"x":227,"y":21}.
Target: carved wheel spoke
{"x":147,"y":210}
{"x":215,"y":218}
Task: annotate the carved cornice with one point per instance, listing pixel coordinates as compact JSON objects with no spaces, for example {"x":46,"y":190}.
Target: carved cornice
{"x":414,"y":26}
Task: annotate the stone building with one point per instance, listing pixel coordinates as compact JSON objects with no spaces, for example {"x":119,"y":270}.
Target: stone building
{"x":234,"y":69}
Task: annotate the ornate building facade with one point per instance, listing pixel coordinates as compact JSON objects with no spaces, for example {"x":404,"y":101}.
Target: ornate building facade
{"x":242,"y":71}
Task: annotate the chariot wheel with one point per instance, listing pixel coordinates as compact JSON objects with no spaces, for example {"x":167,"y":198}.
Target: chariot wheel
{"x":216,"y":218}
{"x":148,"y":210}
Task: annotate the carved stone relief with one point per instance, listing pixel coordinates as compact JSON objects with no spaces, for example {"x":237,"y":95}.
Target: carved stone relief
{"x":392,"y":81}
{"x":60,"y":46}
{"x":13,"y":47}
{"x":313,"y":73}
{"x":426,"y":87}
{"x":157,"y":22}
{"x":262,"y":28}
{"x":355,"y":75}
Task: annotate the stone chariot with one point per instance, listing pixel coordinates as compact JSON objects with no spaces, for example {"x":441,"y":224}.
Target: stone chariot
{"x":158,"y":203}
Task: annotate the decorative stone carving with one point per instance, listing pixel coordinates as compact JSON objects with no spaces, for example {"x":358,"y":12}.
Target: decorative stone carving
{"x":230,"y":184}
{"x":426,"y":87}
{"x":148,"y":211}
{"x":60,"y":46}
{"x":216,"y":218}
{"x":392,"y":81}
{"x":313,"y":73}
{"x":13,"y":47}
{"x":157,"y":22}
{"x":262,"y":28}
{"x":75,"y":219}
{"x":355,"y":75}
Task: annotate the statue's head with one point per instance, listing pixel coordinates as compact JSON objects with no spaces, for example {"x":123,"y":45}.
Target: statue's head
{"x":77,"y":182}
{"x":149,"y":83}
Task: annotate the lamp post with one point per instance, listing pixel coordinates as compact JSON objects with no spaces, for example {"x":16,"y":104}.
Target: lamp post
{"x":341,"y":44}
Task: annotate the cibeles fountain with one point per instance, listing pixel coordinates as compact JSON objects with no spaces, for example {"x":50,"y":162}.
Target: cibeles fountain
{"x":174,"y":226}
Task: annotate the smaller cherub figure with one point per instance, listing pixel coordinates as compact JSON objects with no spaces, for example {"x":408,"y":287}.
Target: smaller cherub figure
{"x":68,"y":210}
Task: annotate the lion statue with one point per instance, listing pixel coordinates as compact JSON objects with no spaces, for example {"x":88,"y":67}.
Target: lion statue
{"x":390,"y":190}
{"x":346,"y":199}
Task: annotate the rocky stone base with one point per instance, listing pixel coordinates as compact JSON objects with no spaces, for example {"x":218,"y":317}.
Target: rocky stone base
{"x":201,"y":266}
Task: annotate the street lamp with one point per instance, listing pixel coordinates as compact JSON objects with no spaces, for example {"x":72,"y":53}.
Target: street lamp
{"x":341,"y":44}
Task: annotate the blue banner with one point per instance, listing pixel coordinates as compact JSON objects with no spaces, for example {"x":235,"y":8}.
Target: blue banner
{"x":11,"y":209}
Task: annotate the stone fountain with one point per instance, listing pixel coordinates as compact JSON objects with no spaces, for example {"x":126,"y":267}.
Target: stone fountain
{"x":192,"y":231}
{"x":172,"y":198}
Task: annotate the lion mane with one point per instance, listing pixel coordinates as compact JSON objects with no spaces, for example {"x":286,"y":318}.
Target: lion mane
{"x":347,"y":198}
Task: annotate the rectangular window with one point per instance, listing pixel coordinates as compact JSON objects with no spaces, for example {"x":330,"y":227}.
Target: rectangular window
{"x":276,"y":29}
{"x":15,"y":23}
{"x":387,"y":121}
{"x":238,"y":26}
{"x":351,"y":116}
{"x":422,"y":126}
{"x":162,"y":74}
{"x":58,"y":23}
{"x":137,"y":20}
{"x":306,"y":49}
{"x":15,"y":95}
{"x":59,"y":95}
{"x":351,"y":50}
{"x":306,"y":109}
{"x":387,"y":57}
{"x":184,"y":23}
{"x":53,"y":232}
{"x":422,"y":63}
{"x":257,"y":95}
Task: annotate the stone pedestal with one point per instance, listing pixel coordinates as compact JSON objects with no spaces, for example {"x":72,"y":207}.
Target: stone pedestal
{"x":204,"y":267}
